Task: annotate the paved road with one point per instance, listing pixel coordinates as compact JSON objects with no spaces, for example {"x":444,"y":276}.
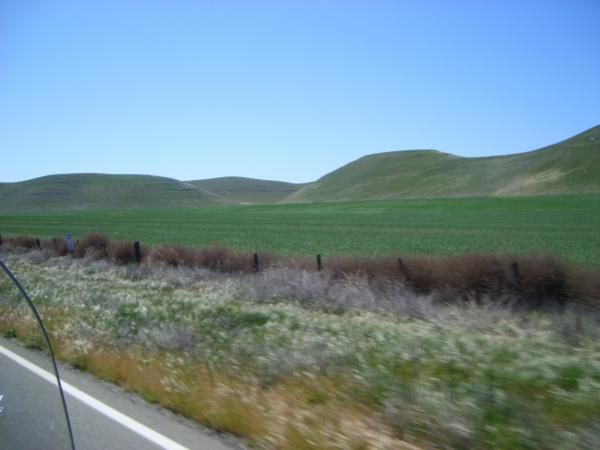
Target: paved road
{"x":32,"y":418}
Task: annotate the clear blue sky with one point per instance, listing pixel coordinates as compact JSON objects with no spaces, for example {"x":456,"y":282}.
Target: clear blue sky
{"x":286,"y":89}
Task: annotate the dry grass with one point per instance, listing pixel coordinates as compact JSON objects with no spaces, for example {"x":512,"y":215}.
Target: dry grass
{"x":23,"y":327}
{"x":123,"y":252}
{"x":165,"y":255}
{"x":223,"y":259}
{"x":532,"y":281}
{"x":56,"y":246}
{"x":93,"y":245}
{"x":24,"y":242}
{"x":313,"y":414}
{"x":284,"y":377}
{"x":297,"y":412}
{"x":216,"y":258}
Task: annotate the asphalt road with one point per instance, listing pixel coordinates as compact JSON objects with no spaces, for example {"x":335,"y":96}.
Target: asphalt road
{"x":102,"y":416}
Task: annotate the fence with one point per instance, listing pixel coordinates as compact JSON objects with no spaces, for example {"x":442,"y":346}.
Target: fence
{"x":535,"y":279}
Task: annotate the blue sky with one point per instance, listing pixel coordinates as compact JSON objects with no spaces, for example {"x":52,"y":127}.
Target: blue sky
{"x":286,"y":90}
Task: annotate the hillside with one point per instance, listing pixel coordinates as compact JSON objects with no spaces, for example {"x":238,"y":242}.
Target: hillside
{"x":95,"y":191}
{"x":570,"y":166}
{"x":248,"y":190}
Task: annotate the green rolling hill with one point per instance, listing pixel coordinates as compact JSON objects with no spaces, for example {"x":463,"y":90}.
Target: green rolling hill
{"x":570,"y":166}
{"x":97,"y":191}
{"x":102,"y":191}
{"x":248,"y":190}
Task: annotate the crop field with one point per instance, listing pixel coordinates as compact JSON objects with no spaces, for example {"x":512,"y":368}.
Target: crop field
{"x":567,"y":226}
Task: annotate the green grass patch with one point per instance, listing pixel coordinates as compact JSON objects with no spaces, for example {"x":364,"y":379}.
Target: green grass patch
{"x":562,"y":225}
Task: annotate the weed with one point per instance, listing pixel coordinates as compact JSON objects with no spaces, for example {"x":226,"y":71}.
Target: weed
{"x":24,"y":242}
{"x":93,"y":245}
{"x":166,"y":255}
{"x":124,"y":252}
{"x":9,"y":333}
{"x":262,"y":355}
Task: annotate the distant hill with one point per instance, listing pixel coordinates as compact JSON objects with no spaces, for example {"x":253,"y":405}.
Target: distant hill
{"x":570,"y":166}
{"x":248,"y":190}
{"x":79,"y":191}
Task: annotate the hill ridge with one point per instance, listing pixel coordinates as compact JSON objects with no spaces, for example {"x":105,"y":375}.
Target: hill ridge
{"x":569,"y":166}
{"x":91,"y":190}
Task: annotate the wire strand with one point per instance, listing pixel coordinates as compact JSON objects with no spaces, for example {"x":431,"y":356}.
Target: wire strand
{"x":47,"y":339}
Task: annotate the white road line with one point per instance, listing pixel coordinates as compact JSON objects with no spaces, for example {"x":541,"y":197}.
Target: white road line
{"x":102,"y":408}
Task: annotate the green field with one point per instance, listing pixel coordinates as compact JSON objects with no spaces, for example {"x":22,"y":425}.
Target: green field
{"x":568,"y":226}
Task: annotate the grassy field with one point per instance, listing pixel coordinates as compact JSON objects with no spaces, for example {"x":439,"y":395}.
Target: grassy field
{"x":562,"y":225}
{"x":261,"y":356}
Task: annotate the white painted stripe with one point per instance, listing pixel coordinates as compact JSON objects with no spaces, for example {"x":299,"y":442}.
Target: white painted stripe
{"x":102,"y":408}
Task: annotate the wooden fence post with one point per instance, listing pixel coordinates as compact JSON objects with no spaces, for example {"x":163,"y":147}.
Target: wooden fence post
{"x":319,"y":262}
{"x":515,"y":270}
{"x":138,"y":253}
{"x":256,"y":264}
{"x":401,"y":267}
